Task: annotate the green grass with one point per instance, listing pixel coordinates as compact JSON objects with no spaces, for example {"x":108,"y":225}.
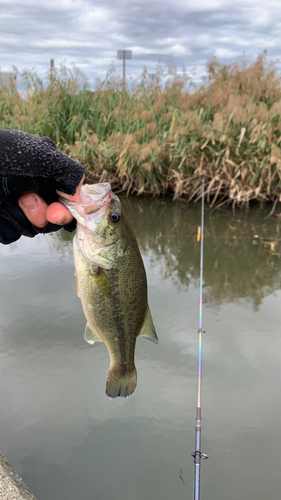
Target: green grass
{"x":160,"y":139}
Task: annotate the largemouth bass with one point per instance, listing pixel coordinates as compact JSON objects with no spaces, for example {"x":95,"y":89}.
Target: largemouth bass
{"x":111,"y":283}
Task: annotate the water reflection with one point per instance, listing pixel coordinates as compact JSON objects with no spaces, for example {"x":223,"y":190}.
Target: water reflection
{"x":69,"y":441}
{"x":241,"y":251}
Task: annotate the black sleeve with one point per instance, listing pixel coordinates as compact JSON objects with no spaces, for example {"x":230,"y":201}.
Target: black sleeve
{"x":29,"y":163}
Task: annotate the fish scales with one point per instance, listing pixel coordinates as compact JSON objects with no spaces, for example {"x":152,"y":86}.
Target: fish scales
{"x":126,"y":291}
{"x":112,"y":286}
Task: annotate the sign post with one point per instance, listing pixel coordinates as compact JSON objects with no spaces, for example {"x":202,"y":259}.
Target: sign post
{"x":124,"y":54}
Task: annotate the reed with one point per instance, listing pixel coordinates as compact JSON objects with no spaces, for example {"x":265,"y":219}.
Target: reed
{"x":161,"y":136}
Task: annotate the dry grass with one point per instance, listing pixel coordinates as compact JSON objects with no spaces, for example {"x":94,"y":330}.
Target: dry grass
{"x":162,"y":138}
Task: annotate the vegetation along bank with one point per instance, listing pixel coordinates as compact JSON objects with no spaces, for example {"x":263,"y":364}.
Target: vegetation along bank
{"x":162,"y":134}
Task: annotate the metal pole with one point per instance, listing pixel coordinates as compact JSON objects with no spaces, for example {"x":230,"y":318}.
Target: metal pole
{"x":124,"y":54}
{"x":197,"y":455}
{"x":124,"y":70}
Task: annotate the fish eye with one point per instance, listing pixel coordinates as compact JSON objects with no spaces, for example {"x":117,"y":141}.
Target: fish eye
{"x":114,"y":217}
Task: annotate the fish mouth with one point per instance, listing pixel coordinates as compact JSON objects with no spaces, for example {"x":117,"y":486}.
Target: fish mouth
{"x":92,"y":198}
{"x":97,"y":191}
{"x":96,"y":196}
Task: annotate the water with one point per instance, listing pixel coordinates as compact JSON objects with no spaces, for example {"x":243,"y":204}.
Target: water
{"x":69,"y":441}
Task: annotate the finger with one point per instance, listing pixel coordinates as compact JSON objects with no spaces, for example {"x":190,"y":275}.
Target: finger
{"x":56,"y":213}
{"x":76,"y":197}
{"x":34,"y":208}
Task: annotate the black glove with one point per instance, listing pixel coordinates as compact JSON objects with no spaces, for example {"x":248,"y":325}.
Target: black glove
{"x":31,"y":164}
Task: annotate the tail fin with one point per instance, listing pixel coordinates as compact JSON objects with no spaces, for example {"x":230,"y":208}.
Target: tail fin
{"x":120,"y":386}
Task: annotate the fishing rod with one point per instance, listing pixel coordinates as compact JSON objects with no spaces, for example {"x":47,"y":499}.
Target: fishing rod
{"x":197,"y":455}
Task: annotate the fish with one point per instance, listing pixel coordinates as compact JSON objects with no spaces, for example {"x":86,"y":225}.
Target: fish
{"x":111,"y":283}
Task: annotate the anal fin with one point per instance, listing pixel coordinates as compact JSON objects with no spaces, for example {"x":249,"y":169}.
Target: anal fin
{"x":147,"y":330}
{"x":90,"y":336}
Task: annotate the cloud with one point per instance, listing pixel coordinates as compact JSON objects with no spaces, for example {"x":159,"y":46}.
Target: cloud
{"x":89,"y":33}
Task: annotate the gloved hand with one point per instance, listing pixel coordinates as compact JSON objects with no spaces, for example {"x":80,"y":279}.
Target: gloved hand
{"x":30,"y":164}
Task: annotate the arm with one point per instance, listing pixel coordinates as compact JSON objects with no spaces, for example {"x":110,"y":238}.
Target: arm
{"x":32,"y":171}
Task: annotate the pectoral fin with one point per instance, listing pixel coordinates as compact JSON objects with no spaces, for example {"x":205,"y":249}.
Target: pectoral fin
{"x":90,"y":336}
{"x":147,"y":329}
{"x":101,"y":282}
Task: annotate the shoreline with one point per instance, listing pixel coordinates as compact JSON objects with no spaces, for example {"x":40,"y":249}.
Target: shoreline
{"x":12,"y":487}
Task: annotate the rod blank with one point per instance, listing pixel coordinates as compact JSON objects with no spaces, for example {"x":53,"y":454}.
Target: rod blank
{"x":197,"y":455}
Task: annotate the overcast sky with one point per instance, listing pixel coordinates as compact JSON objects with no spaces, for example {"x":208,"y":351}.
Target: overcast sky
{"x":89,"y":32}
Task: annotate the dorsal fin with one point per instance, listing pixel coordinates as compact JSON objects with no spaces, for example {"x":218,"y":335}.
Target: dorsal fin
{"x":147,"y":329}
{"x":90,"y":336}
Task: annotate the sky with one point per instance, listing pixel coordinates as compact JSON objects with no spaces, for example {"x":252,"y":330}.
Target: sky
{"x":88,"y":33}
